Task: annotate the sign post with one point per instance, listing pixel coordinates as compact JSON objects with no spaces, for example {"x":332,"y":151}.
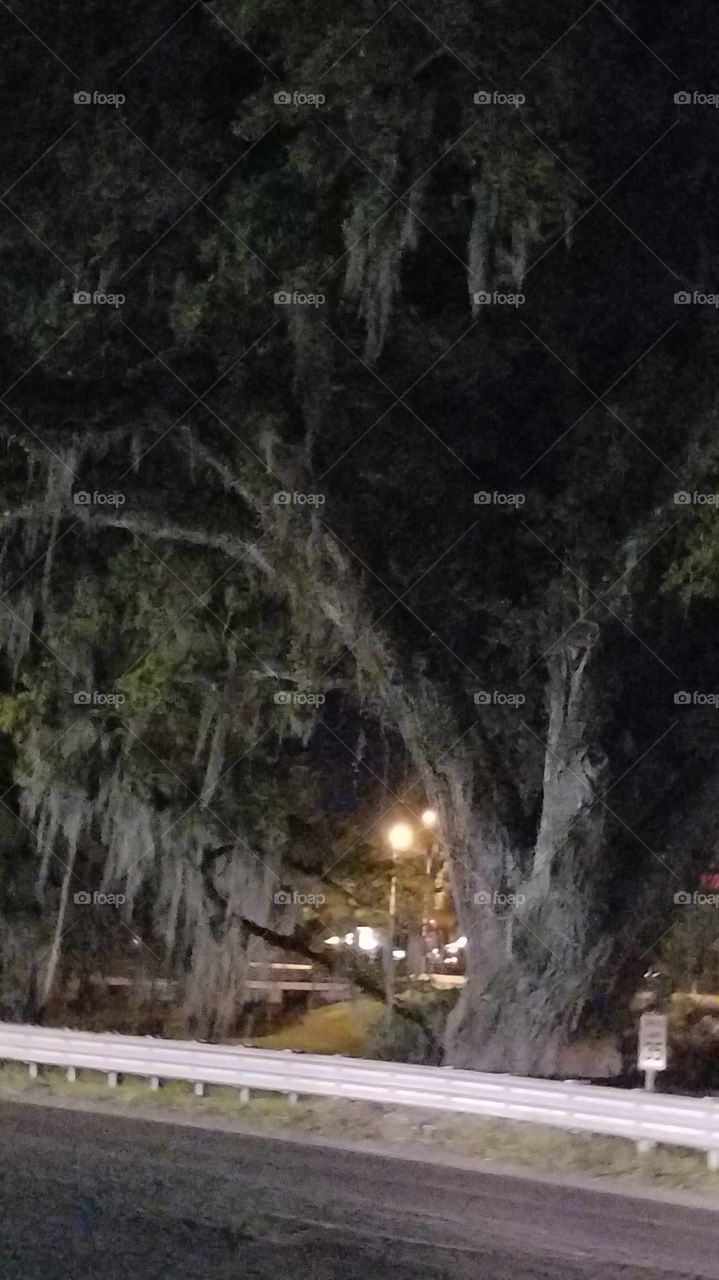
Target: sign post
{"x":652,"y":1055}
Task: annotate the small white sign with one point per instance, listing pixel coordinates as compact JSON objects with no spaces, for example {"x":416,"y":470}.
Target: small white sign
{"x":653,"y":1042}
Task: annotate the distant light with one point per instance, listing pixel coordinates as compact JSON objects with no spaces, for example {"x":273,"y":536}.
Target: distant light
{"x":400,"y":836}
{"x":398,"y":955}
{"x":429,"y":818}
{"x":349,"y":939}
{"x":458,"y":945}
{"x":434,"y":951}
{"x":451,"y":960}
{"x":334,"y":941}
{"x":367,"y":939}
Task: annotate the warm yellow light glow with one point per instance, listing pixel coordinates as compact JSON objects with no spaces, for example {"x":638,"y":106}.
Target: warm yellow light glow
{"x":400,"y":836}
{"x":429,"y":818}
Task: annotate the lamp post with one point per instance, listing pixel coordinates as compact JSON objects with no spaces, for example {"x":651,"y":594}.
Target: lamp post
{"x":401,"y":838}
{"x":429,"y":820}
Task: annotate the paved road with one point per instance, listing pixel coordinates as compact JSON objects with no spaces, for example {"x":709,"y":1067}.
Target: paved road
{"x":89,"y":1197}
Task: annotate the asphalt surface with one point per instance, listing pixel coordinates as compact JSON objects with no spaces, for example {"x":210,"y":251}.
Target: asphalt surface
{"x":94,"y":1197}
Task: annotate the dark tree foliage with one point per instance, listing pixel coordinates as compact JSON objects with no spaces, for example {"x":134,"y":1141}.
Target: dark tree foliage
{"x":380,"y":404}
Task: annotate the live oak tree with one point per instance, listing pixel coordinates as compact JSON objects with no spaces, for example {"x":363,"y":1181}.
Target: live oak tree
{"x":297,"y":480}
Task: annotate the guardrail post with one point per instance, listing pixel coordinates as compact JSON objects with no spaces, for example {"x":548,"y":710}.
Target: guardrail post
{"x":292,"y":1097}
{"x":713,"y":1161}
{"x":32,"y":1070}
{"x":244,"y":1094}
{"x":154,"y":1083}
{"x":112,"y":1079}
{"x":72,"y":1073}
{"x":199,"y":1089}
{"x":645,"y":1145}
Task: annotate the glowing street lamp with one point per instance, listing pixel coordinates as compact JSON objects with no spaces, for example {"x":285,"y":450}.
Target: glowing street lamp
{"x":401,"y":837}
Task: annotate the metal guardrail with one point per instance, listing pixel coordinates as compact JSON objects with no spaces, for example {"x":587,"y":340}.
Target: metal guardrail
{"x":642,"y":1117}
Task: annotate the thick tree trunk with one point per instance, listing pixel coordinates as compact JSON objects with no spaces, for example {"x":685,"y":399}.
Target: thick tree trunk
{"x":54,"y":954}
{"x":536,"y":947}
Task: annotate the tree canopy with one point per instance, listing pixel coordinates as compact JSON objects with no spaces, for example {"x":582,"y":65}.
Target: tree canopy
{"x":357,"y":472}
